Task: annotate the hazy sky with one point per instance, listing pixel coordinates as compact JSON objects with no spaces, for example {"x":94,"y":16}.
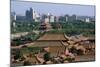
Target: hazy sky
{"x":56,"y":9}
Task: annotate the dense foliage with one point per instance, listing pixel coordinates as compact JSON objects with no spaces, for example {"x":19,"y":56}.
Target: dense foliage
{"x":73,"y":28}
{"x":24,"y":27}
{"x":69,"y":28}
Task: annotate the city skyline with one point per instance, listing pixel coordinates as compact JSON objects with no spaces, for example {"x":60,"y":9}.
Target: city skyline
{"x":20,"y":7}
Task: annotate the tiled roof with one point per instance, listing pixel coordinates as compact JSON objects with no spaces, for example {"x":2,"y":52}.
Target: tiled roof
{"x":49,"y":36}
{"x":46,"y":43}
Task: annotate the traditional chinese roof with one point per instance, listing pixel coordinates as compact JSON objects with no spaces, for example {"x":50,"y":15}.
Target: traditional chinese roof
{"x":46,"y":43}
{"x":50,"y":36}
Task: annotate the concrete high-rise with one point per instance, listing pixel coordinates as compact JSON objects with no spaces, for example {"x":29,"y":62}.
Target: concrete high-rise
{"x":29,"y":14}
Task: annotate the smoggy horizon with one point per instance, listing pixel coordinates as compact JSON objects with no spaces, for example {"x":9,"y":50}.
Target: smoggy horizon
{"x":20,"y":7}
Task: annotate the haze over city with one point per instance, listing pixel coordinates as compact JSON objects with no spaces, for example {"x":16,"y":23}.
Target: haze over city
{"x":19,"y":7}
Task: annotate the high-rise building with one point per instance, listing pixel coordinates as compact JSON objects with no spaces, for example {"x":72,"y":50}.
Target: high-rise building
{"x":47,"y":19}
{"x":29,"y":14}
{"x":56,"y":18}
{"x":81,"y":18}
{"x":48,"y":16}
{"x":62,"y":19}
{"x":43,"y":16}
{"x":87,"y":19}
{"x":67,"y":17}
{"x":72,"y":18}
{"x":20,"y":18}
{"x":34,"y":14}
{"x":52,"y":18}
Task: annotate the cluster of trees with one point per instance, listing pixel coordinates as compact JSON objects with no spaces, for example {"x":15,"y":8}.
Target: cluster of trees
{"x":70,"y":28}
{"x":32,"y":50}
{"x":24,"y":26}
{"x":24,"y":39}
{"x":73,"y":28}
{"x":78,"y":25}
{"x":30,"y":37}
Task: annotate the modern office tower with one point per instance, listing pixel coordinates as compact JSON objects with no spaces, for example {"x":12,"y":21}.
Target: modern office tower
{"x":87,"y":19}
{"x":48,"y":16}
{"x":20,"y":18}
{"x":92,"y":19}
{"x":62,"y":19}
{"x":34,"y":14}
{"x":43,"y":16}
{"x":46,"y":20}
{"x":56,"y":18}
{"x":52,"y":18}
{"x":67,"y":17}
{"x":73,"y":17}
{"x":37,"y":18}
{"x":29,"y":14}
{"x":81,"y":18}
